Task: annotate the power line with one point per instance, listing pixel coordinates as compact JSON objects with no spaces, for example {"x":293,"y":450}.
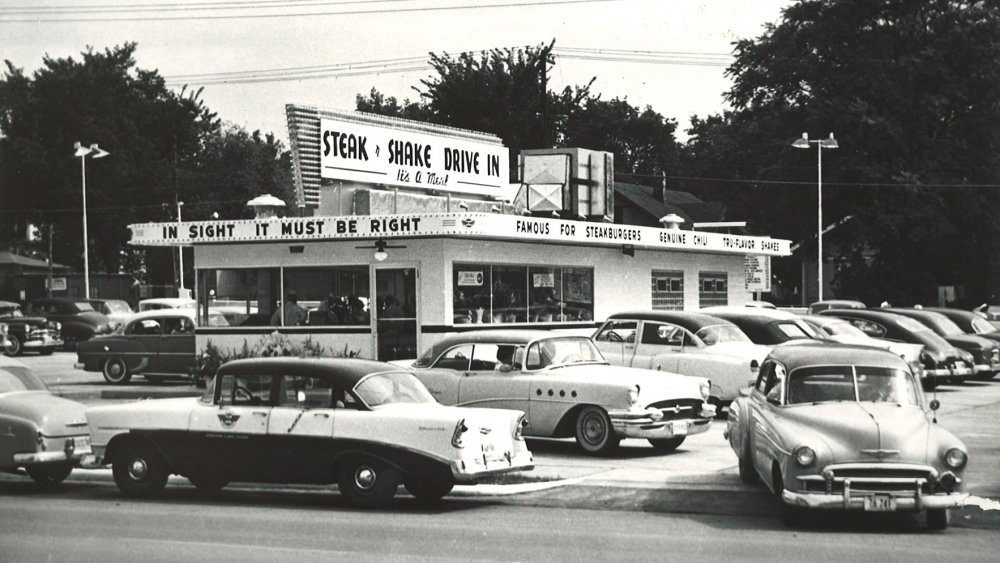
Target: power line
{"x":393,"y":10}
{"x":806,"y":182}
{"x":181,"y":6}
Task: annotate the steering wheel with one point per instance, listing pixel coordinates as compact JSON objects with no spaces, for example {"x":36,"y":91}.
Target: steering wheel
{"x":613,"y":336}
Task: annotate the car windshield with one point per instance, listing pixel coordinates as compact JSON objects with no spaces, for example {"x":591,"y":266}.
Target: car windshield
{"x":946,"y":326}
{"x":979,"y":325}
{"x":844,"y":328}
{"x":792,"y":330}
{"x":554,"y":352}
{"x":912,"y":325}
{"x":716,"y":334}
{"x":118,"y":307}
{"x":818,"y":384}
{"x":217,"y":319}
{"x":17,"y":378}
{"x":380,"y":389}
{"x":83,"y":306}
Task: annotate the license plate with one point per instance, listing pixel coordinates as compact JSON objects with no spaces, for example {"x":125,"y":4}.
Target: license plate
{"x":880,"y":503}
{"x":679,"y":428}
{"x":488,"y":448}
{"x":81,"y":445}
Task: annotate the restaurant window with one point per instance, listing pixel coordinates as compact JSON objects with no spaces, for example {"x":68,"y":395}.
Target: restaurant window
{"x":246,"y":297}
{"x":324,"y":296}
{"x":668,"y":290}
{"x":713,"y":289}
{"x":330,"y":295}
{"x":516,"y":294}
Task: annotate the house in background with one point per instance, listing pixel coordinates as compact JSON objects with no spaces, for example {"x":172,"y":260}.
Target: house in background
{"x":636,"y":204}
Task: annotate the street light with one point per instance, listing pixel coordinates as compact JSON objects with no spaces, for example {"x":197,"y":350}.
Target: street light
{"x":83,"y":152}
{"x":181,"y":292}
{"x":831,"y":143}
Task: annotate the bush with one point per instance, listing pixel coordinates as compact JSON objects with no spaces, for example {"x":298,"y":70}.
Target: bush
{"x":208,"y":361}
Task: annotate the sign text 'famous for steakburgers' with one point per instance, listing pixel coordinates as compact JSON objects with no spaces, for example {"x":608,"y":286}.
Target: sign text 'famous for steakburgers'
{"x":358,"y":152}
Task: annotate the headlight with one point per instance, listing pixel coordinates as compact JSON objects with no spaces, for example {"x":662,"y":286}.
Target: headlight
{"x":705,"y":388}
{"x":804,"y":456}
{"x":967,"y":356}
{"x":955,"y":458}
{"x":633,"y":395}
{"x":456,"y":437}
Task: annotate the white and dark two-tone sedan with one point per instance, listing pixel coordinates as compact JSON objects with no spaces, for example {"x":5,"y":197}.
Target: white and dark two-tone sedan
{"x":366,"y":426}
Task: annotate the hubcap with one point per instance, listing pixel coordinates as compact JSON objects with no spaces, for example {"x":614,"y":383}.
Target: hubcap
{"x":593,"y":429}
{"x":115,"y":370}
{"x":364,"y":478}
{"x":137,"y":469}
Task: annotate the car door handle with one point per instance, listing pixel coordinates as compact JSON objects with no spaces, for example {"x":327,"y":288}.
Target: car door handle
{"x":260,"y":413}
{"x":322,"y":414}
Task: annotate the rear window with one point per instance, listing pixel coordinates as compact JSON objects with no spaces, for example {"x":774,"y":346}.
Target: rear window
{"x":912,"y":325}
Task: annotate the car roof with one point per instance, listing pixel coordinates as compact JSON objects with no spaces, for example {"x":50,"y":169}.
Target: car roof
{"x":9,"y":304}
{"x":500,"y":336}
{"x":845,"y":302}
{"x":690,"y":320}
{"x":880,"y":314}
{"x":167,"y":300}
{"x":835,"y":354}
{"x":8,"y":362}
{"x":954,"y":313}
{"x":759,"y":312}
{"x":345,"y":372}
{"x":187,"y":313}
{"x":916,"y":313}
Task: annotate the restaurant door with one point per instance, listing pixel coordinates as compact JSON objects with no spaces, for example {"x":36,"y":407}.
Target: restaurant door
{"x":395,"y":313}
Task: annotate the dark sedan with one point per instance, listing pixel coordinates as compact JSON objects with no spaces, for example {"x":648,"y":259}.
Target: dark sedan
{"x":28,"y":334}
{"x":156,"y":344}
{"x":969,"y":322}
{"x":985,"y":352}
{"x":78,"y":318}
{"x":940,"y":360}
{"x":768,"y":327}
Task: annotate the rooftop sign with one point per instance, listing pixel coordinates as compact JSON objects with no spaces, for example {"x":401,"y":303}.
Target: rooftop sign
{"x":464,"y":225}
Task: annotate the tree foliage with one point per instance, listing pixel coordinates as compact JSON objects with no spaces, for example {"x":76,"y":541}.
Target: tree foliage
{"x":910,"y":89}
{"x":164,"y":146}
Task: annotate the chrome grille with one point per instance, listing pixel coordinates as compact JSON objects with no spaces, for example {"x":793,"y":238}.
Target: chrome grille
{"x":679,"y":409}
{"x":871,"y":478}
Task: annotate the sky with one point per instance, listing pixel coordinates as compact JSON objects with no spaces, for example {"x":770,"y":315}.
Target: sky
{"x":667,"y":54}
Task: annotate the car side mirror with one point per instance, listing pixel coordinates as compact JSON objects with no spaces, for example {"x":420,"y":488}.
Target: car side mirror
{"x":935,"y":404}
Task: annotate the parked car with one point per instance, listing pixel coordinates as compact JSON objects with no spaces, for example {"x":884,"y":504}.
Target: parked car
{"x":767,"y":327}
{"x":839,"y":427}
{"x":367,"y":426}
{"x":566,"y":387}
{"x":43,"y":434}
{"x":985,"y":352}
{"x":835,"y":304}
{"x":989,"y":312}
{"x":157,"y":303}
{"x":683,"y":342}
{"x":969,"y":322}
{"x":118,"y":311}
{"x":156,"y":344}
{"x":23,"y":334}
{"x":940,"y":360}
{"x":841,"y":330}
{"x":77,"y":318}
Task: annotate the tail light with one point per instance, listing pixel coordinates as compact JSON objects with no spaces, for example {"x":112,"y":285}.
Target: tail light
{"x":522,"y":421}
{"x":456,"y":437}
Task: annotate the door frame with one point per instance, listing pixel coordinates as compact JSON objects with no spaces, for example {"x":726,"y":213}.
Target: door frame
{"x":373,"y":299}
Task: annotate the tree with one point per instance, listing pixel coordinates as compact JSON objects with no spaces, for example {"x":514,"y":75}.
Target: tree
{"x":165,"y":146}
{"x":909,"y":88}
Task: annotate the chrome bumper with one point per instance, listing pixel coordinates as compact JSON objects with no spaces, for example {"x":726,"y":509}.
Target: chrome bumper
{"x":948,"y":372}
{"x":43,"y":343}
{"x":648,"y":429}
{"x":471,"y":469}
{"x":905,"y":501}
{"x":48,"y":457}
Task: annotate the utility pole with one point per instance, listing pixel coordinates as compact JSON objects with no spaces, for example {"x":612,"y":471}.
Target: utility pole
{"x":545,"y":57}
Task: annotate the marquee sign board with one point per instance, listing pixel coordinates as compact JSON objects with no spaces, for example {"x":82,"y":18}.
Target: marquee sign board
{"x":464,"y":225}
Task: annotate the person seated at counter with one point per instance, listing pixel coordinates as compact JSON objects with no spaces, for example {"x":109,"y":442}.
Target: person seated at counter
{"x":291,"y":311}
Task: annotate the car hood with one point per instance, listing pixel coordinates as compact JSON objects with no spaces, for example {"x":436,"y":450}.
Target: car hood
{"x":32,"y":321}
{"x":747,"y":350}
{"x":970,"y":342}
{"x":867,"y":432}
{"x":653,"y":385}
{"x":54,"y":416}
{"x":907,"y":351}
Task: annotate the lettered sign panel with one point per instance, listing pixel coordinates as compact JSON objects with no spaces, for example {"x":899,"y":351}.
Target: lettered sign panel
{"x":374,"y":154}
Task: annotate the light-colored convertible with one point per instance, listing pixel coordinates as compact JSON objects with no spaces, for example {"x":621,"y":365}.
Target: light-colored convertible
{"x":567,"y":388}
{"x":845,"y":428}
